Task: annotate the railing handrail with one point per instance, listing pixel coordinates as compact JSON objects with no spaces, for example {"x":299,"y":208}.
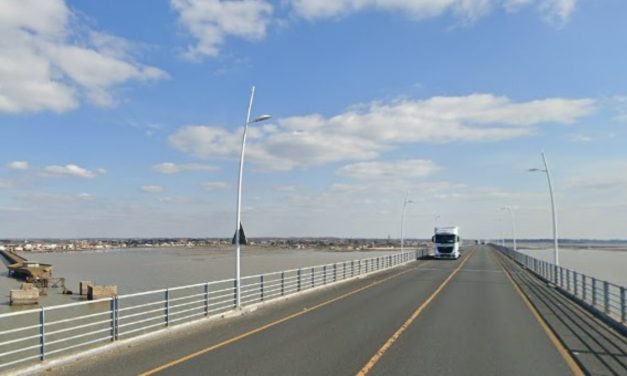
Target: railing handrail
{"x":182,"y":287}
{"x":600,"y":295}
{"x":156,"y":310}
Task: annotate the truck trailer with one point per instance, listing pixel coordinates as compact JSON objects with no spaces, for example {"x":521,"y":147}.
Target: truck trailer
{"x":446,"y":242}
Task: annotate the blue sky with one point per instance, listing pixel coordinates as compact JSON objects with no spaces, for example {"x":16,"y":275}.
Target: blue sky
{"x":122,"y":119}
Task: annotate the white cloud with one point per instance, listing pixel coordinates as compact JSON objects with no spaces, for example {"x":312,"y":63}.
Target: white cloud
{"x":597,"y":180}
{"x":620,"y":108}
{"x":71,"y":170}
{"x":151,"y":188}
{"x":557,"y":11}
{"x":211,"y":21}
{"x":173,"y":168}
{"x":214,"y":185}
{"x":364,"y":132}
{"x":389,"y":170}
{"x":286,"y":188}
{"x":18,"y":165}
{"x":4,"y":184}
{"x":580,"y":138}
{"x":47,"y":61}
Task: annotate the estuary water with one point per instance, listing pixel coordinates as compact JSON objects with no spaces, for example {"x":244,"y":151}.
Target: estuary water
{"x":605,"y":263}
{"x":142,"y":269}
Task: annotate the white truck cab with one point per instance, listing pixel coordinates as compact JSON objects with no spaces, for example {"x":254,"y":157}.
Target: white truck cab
{"x":446,"y":242}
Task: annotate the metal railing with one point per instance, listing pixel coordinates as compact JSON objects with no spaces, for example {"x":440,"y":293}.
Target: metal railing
{"x":603,"y":296}
{"x":37,"y":334}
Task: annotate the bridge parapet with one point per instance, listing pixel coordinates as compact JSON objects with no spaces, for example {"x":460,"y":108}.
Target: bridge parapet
{"x":605,"y":299}
{"x":38,"y":334}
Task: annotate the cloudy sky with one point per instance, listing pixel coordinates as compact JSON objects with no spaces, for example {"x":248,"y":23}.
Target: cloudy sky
{"x":122,"y":119}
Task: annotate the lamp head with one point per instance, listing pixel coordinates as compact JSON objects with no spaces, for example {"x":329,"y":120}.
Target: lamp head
{"x":261,"y":118}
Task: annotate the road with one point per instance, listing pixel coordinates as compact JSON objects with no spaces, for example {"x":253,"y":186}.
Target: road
{"x":462,"y":317}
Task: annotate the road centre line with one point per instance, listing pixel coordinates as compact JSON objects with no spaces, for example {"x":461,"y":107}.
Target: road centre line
{"x":274,"y":323}
{"x":388,"y":344}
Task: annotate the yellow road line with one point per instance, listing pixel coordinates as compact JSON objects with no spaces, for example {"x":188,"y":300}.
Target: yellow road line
{"x":386,"y":346}
{"x":274,"y":323}
{"x":570,"y":361}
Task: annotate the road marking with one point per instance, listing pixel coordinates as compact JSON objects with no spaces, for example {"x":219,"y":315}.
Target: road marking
{"x":570,"y":361}
{"x":274,"y":323}
{"x":386,"y":346}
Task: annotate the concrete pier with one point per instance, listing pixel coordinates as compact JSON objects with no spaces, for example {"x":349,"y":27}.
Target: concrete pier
{"x":98,"y":292}
{"x":25,"y":295}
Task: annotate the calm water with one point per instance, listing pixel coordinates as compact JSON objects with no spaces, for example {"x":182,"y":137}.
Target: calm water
{"x":139,"y":269}
{"x":608,"y":264}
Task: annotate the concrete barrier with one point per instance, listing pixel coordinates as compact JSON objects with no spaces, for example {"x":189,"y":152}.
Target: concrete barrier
{"x":83,"y":287}
{"x":26,"y":294}
{"x":99,"y":292}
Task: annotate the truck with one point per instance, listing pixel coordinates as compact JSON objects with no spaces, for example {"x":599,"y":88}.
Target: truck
{"x":446,"y":242}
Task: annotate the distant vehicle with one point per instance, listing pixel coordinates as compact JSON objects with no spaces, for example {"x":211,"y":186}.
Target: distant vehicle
{"x":446,"y":242}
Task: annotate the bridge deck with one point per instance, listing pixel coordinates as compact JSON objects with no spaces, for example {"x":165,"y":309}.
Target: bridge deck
{"x":430,"y":317}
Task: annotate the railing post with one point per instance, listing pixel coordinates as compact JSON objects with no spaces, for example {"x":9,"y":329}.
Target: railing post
{"x":344,"y":270}
{"x":206,"y":299}
{"x":282,"y":283}
{"x":352,"y":268}
{"x":261,"y":287}
{"x":298,"y":280}
{"x":623,"y":310}
{"x":235,"y":292}
{"x":167,"y":307}
{"x":116,"y":326}
{"x":334,"y":272}
{"x":594,"y":291}
{"x":313,"y":278}
{"x":561,"y":276}
{"x":575,"y":287}
{"x":606,"y":297}
{"x":42,"y":334}
{"x":567,"y":279}
{"x":584,"y":290}
{"x":324,"y":274}
{"x":112,"y":308}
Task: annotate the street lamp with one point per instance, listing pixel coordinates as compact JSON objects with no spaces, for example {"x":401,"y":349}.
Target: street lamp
{"x":548,"y":177}
{"x":511,"y":213}
{"x":238,"y":223}
{"x":405,"y":202}
{"x":501,"y":230}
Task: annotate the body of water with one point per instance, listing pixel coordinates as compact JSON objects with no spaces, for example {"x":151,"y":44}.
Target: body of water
{"x":602,"y":262}
{"x":142,"y":269}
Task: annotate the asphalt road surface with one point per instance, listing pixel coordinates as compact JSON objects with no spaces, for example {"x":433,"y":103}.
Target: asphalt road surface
{"x":448,"y":317}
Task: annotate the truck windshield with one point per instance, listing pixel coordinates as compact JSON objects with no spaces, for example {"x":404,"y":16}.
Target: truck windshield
{"x":445,"y":238}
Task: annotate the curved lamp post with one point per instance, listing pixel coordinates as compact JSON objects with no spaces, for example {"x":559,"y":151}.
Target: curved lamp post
{"x":238,"y":222}
{"x":405,"y":202}
{"x":511,"y":213}
{"x":548,"y":177}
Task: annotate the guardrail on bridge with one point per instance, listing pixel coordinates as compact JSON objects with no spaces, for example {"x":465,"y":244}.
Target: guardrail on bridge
{"x":601,"y":296}
{"x":37,"y":334}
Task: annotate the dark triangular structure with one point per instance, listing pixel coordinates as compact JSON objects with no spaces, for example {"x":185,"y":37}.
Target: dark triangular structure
{"x":242,"y":236}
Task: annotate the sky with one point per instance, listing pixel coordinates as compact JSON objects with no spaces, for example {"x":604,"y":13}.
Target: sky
{"x":124,"y":119}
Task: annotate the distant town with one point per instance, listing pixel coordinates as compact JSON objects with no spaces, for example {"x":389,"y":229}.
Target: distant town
{"x":337,"y":244}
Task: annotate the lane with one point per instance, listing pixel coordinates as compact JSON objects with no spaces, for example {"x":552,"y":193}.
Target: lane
{"x":478,"y":325}
{"x":597,"y":348}
{"x":335,"y":339}
{"x":137,"y":357}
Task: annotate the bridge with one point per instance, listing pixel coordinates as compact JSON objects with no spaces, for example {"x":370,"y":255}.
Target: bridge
{"x":484,"y":314}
